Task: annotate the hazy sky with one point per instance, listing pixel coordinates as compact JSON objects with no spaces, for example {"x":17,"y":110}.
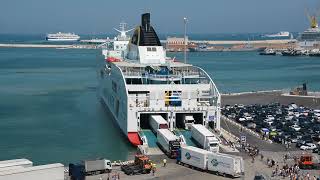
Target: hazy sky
{"x":205,"y":16}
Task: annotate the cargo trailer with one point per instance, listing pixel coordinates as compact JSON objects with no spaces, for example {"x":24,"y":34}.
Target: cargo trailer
{"x":226,"y":164}
{"x":193,"y":156}
{"x":157,"y":122}
{"x":99,"y":166}
{"x":204,"y":160}
{"x":168,"y":142}
{"x":204,"y":138}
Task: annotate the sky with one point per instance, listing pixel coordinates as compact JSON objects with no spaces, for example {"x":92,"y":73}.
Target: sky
{"x":204,"y":16}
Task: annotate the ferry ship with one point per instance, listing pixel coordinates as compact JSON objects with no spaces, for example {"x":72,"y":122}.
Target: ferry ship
{"x":138,"y":81}
{"x":282,"y":34}
{"x":310,"y":38}
{"x":62,"y":37}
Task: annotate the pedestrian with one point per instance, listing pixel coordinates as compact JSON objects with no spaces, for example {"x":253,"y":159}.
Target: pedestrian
{"x":164,"y":162}
{"x":154,"y":169}
{"x":119,"y":176}
{"x":261,"y":155}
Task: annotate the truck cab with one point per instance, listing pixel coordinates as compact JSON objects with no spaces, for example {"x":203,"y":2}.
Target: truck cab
{"x":188,"y":121}
{"x":213,"y":144}
{"x":174,"y":148}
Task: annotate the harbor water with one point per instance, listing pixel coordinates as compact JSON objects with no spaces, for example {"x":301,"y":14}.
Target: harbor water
{"x":50,"y":112}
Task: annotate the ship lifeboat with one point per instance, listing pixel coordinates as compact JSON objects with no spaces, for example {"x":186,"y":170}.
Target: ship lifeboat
{"x":113,"y":59}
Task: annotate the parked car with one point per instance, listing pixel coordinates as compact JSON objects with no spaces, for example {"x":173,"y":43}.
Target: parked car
{"x":296,"y":127}
{"x":308,"y":146}
{"x":316,"y":150}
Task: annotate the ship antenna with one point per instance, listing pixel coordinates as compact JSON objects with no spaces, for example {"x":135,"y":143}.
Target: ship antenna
{"x":122,"y":30}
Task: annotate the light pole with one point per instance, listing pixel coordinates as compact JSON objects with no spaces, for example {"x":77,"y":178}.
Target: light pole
{"x":185,"y":39}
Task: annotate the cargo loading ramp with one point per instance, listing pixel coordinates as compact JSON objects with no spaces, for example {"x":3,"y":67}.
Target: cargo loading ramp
{"x":187,"y":136}
{"x":149,"y":140}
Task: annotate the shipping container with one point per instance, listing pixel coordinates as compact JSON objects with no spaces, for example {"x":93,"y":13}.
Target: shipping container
{"x":47,"y":172}
{"x":15,"y":162}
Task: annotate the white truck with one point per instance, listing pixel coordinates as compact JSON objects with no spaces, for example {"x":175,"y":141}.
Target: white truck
{"x":211,"y":162}
{"x":99,"y":166}
{"x":168,"y":142}
{"x":157,"y":122}
{"x":188,"y":121}
{"x":204,"y":138}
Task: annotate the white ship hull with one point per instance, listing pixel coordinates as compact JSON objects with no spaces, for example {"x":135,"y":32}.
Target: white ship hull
{"x":60,"y":40}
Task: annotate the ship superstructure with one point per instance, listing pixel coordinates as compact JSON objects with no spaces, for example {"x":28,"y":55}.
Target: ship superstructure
{"x":117,"y":48}
{"x":310,"y":38}
{"x":62,"y":37}
{"x":143,"y":82}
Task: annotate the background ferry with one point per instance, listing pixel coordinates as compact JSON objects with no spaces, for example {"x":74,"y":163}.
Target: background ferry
{"x":62,"y":37}
{"x":282,"y":34}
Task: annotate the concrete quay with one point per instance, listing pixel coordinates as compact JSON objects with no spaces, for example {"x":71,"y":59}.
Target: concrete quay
{"x":60,"y":46}
{"x":213,"y":42}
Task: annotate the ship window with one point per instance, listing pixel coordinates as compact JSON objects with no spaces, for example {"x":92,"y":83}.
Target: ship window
{"x":133,"y":80}
{"x":154,"y":49}
{"x":148,"y":48}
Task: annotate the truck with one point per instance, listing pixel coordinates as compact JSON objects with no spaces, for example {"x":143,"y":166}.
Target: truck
{"x":99,"y":166}
{"x":157,"y":122}
{"x":188,"y":121}
{"x":204,"y":160}
{"x":204,"y":138}
{"x":193,"y":156}
{"x":141,"y":165}
{"x":168,"y":142}
{"x":225,"y":164}
{"x":306,"y":162}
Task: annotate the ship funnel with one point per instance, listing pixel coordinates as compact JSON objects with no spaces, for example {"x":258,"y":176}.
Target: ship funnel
{"x":145,"y":21}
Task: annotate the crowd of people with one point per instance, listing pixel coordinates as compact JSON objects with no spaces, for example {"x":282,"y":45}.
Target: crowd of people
{"x":292,"y":172}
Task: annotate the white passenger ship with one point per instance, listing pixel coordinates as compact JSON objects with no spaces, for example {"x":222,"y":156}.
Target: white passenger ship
{"x":139,"y":81}
{"x":62,"y":37}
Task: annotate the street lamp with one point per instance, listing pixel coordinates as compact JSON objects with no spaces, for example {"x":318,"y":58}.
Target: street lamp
{"x":185,"y":39}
